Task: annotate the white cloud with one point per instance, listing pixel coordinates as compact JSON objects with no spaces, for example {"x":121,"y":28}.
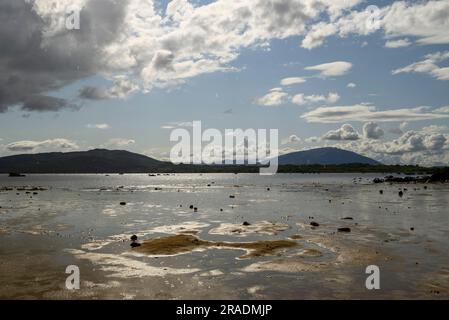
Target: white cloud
{"x":371,"y":130}
{"x":400,"y":43}
{"x":351,"y":85}
{"x":301,"y":99}
{"x":331,"y":69}
{"x":119,"y":142}
{"x":312,"y":139}
{"x":273,"y":98}
{"x":366,"y":113}
{"x":427,"y":21}
{"x":293,"y":139}
{"x":292,"y":80}
{"x":177,"y":124}
{"x":442,"y":110}
{"x":346,"y":132}
{"x":57,"y":144}
{"x":101,"y":126}
{"x":429,"y":66}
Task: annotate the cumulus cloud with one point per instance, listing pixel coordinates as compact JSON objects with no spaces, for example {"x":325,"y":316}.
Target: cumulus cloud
{"x":371,"y":130}
{"x":428,"y":66}
{"x":293,"y":139}
{"x":346,"y":132}
{"x":121,"y":88}
{"x":442,"y":110}
{"x":292,"y":80}
{"x":43,"y":56}
{"x":130,"y":39}
{"x":351,"y":85}
{"x":399,"y":43}
{"x":40,"y":146}
{"x":366,"y":113}
{"x":275,"y":97}
{"x":331,"y":69}
{"x":119,"y":142}
{"x":101,"y":126}
{"x":301,"y":99}
{"x":427,"y":21}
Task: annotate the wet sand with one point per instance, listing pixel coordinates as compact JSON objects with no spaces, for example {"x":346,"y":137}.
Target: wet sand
{"x":277,"y":238}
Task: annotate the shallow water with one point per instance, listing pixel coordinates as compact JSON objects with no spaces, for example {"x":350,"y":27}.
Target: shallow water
{"x":78,"y":220}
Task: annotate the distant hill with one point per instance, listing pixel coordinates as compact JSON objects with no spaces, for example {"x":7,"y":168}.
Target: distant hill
{"x":94,"y":161}
{"x":325,"y":156}
{"x":108,"y":161}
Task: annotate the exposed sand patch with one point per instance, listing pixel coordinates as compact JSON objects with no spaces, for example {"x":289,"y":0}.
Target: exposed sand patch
{"x":212,"y":273}
{"x":190,"y":227}
{"x":262,"y":227}
{"x":123,"y":267}
{"x":184,"y":243}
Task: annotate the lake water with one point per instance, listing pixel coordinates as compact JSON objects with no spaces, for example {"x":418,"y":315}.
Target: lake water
{"x":48,"y":222}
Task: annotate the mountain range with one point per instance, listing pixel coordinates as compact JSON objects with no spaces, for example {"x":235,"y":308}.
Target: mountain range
{"x":119,"y":161}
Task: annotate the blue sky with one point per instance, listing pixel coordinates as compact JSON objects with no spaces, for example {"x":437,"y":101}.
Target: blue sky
{"x":227,"y":93}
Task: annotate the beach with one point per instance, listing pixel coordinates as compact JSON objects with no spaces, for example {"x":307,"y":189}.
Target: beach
{"x":222,"y":236}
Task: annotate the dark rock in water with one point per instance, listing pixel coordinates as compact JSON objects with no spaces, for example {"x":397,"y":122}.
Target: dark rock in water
{"x":314,"y":224}
{"x":231,"y":196}
{"x":16,"y":175}
{"x":381,"y":191}
{"x":412,"y":229}
{"x":344,"y":229}
{"x":347,"y":218}
{"x":135,"y":244}
{"x":134,"y":237}
{"x":425,"y":187}
{"x":401,"y":194}
{"x":221,"y":210}
{"x":123,"y":203}
{"x":191,"y":207}
{"x":195,"y":209}
{"x":246,"y":223}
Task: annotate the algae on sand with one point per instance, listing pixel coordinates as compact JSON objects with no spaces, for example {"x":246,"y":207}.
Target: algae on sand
{"x":183,"y":243}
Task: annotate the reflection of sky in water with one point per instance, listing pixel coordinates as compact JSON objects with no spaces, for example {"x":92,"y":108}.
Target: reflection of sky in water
{"x":83,"y":212}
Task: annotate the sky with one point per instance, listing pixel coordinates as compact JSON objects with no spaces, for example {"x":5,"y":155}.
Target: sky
{"x":366,"y":76}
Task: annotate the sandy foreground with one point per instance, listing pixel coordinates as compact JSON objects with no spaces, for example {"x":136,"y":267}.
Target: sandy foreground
{"x":248,"y":238}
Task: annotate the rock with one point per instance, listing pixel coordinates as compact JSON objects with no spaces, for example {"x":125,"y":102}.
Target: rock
{"x":135,"y":245}
{"x":246,"y":223}
{"x":191,"y":207}
{"x":123,"y":203}
{"x":381,"y":191}
{"x":401,"y":194}
{"x":412,"y":229}
{"x":232,"y":196}
{"x":344,"y":229}
{"x":195,"y":209}
{"x":314,"y":224}
{"x":347,"y":218}
{"x":268,"y":189}
{"x":134,"y":237}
